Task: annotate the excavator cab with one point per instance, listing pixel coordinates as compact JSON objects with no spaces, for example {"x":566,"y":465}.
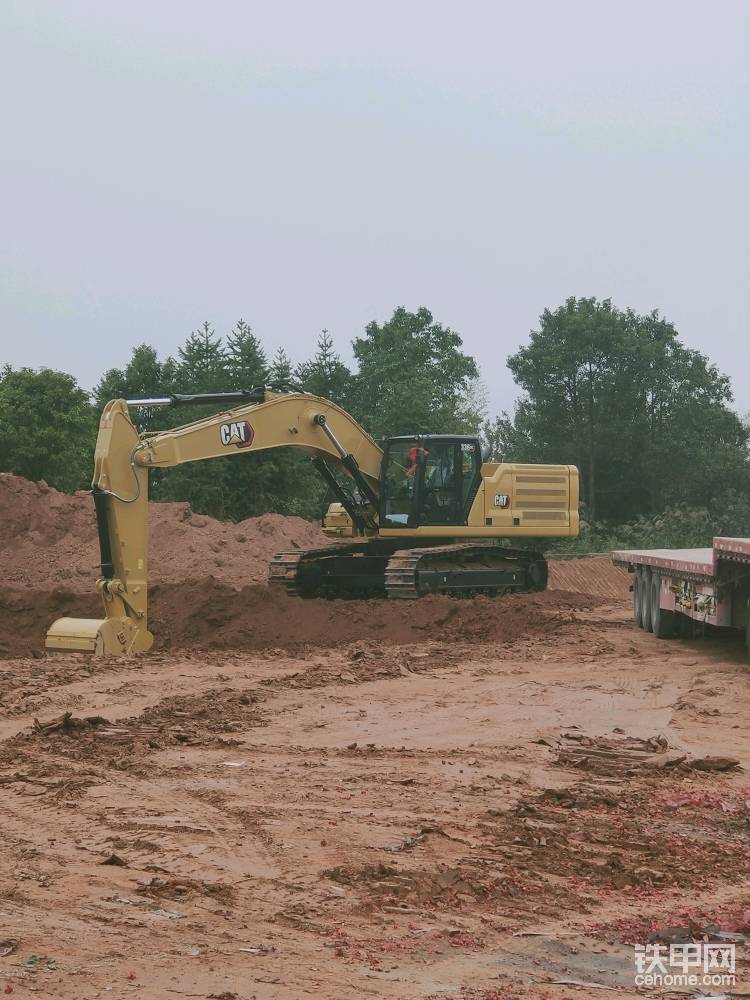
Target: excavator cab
{"x":429,"y":480}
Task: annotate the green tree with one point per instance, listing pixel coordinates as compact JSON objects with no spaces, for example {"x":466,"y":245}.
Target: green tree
{"x":291,"y":484}
{"x":47,"y":427}
{"x":494,"y":434}
{"x":325,"y":374}
{"x":202,"y":361}
{"x":646,"y":419}
{"x":143,"y":377}
{"x":244,"y":485}
{"x":279,"y":480}
{"x":414,"y":377}
{"x":246,"y":362}
{"x":202,"y":366}
{"x":281,"y":368}
{"x":234,"y":487}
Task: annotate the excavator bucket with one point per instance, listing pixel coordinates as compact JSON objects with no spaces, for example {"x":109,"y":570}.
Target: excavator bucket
{"x":102,"y":637}
{"x":74,"y":634}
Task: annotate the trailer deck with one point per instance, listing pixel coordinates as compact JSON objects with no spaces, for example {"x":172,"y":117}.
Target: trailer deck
{"x":696,"y":562}
{"x":690,"y":562}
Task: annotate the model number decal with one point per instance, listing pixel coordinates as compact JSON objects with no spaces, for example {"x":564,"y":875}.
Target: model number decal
{"x":238,"y":433}
{"x":502,"y":500}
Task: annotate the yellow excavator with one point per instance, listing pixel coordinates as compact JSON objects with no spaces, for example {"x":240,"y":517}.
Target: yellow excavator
{"x":425,"y":513}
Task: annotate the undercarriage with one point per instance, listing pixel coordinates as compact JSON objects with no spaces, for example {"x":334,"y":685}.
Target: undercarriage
{"x":384,"y":568}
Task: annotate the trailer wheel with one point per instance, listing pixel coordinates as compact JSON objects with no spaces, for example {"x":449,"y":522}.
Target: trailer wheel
{"x":748,"y":636}
{"x":662,"y":622}
{"x":681,"y":626}
{"x":638,"y":598}
{"x":645,"y":585}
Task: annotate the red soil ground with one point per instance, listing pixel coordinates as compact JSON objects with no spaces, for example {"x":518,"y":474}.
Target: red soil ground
{"x":453,"y":800}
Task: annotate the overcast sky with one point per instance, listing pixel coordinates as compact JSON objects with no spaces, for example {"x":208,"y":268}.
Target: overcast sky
{"x":316,"y":164}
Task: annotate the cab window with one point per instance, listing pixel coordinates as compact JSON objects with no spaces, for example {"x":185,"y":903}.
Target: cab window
{"x":399,"y":480}
{"x":429,"y":481}
{"x":440,"y":488}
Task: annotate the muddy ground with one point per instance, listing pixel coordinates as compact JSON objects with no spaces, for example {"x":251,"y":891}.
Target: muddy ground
{"x":468,"y":799}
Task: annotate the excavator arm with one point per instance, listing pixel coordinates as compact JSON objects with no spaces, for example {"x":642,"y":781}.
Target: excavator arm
{"x":123,"y":457}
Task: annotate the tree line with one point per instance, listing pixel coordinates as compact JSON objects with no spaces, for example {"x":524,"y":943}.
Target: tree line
{"x":411,"y":375}
{"x":648,"y":421}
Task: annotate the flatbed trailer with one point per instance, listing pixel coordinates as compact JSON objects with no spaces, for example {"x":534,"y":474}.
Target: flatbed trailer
{"x":677,"y":592}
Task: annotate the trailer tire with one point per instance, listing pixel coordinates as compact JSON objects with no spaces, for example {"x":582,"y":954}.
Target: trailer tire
{"x":681,"y":626}
{"x":748,"y":636}
{"x":662,"y":622}
{"x":645,"y":583}
{"x":638,"y":598}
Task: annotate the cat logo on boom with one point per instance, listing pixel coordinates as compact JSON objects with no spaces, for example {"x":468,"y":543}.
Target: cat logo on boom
{"x":239,"y":433}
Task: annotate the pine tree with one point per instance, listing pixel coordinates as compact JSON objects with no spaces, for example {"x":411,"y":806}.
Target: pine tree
{"x":325,"y":374}
{"x":281,"y":368}
{"x":246,"y":360}
{"x":207,"y":486}
{"x":203,"y":361}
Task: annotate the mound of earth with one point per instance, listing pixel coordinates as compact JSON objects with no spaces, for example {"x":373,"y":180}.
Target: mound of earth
{"x":589,"y":575}
{"x":209,"y":614}
{"x":207,"y":584}
{"x":48,"y":540}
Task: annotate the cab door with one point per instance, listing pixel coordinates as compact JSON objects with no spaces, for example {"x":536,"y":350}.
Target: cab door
{"x":440,"y":484}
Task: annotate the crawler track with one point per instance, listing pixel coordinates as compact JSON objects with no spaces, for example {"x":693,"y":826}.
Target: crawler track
{"x":284,"y":568}
{"x":463,"y":570}
{"x":379,"y":568}
{"x":301,"y":572}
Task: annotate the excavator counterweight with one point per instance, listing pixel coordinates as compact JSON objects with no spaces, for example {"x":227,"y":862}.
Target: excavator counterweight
{"x":423,"y":514}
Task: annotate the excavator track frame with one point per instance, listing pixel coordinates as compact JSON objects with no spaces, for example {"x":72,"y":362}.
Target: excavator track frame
{"x":382,"y":568}
{"x":292,"y":570}
{"x":464,"y":570}
{"x":356,"y":569}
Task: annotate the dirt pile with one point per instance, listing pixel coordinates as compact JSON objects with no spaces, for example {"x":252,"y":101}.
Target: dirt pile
{"x":589,"y":575}
{"x":209,"y":614}
{"x":48,"y":539}
{"x":214,"y":617}
{"x":207,"y":584}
